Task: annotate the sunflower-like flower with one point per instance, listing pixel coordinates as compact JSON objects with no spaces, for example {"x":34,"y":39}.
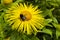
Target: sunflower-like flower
{"x":25,"y":18}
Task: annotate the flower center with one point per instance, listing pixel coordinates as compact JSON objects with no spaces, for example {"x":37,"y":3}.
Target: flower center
{"x":25,"y":15}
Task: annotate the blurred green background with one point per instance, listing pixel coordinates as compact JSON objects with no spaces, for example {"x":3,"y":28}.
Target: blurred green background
{"x":51,"y":12}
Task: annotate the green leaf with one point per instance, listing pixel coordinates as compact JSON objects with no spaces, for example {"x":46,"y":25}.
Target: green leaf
{"x":20,"y":36}
{"x":1,"y":33}
{"x":57,"y":26}
{"x":44,"y":38}
{"x":54,"y":4}
{"x":54,"y":20}
{"x":57,"y":33}
{"x":52,"y":17}
{"x":48,"y":31}
{"x":58,"y":1}
{"x":48,"y":12}
{"x":35,"y":38}
{"x":47,"y":21}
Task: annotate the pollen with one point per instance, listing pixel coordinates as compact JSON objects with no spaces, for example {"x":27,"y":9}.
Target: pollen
{"x":25,"y":15}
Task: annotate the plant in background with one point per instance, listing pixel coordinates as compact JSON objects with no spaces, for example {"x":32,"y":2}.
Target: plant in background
{"x":29,"y":20}
{"x":7,"y":1}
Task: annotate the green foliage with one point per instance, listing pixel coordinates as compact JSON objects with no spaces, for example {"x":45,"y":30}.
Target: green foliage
{"x":51,"y":13}
{"x":17,"y":36}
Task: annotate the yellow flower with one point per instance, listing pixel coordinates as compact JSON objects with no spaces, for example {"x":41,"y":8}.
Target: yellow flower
{"x":25,"y":18}
{"x":7,"y":1}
